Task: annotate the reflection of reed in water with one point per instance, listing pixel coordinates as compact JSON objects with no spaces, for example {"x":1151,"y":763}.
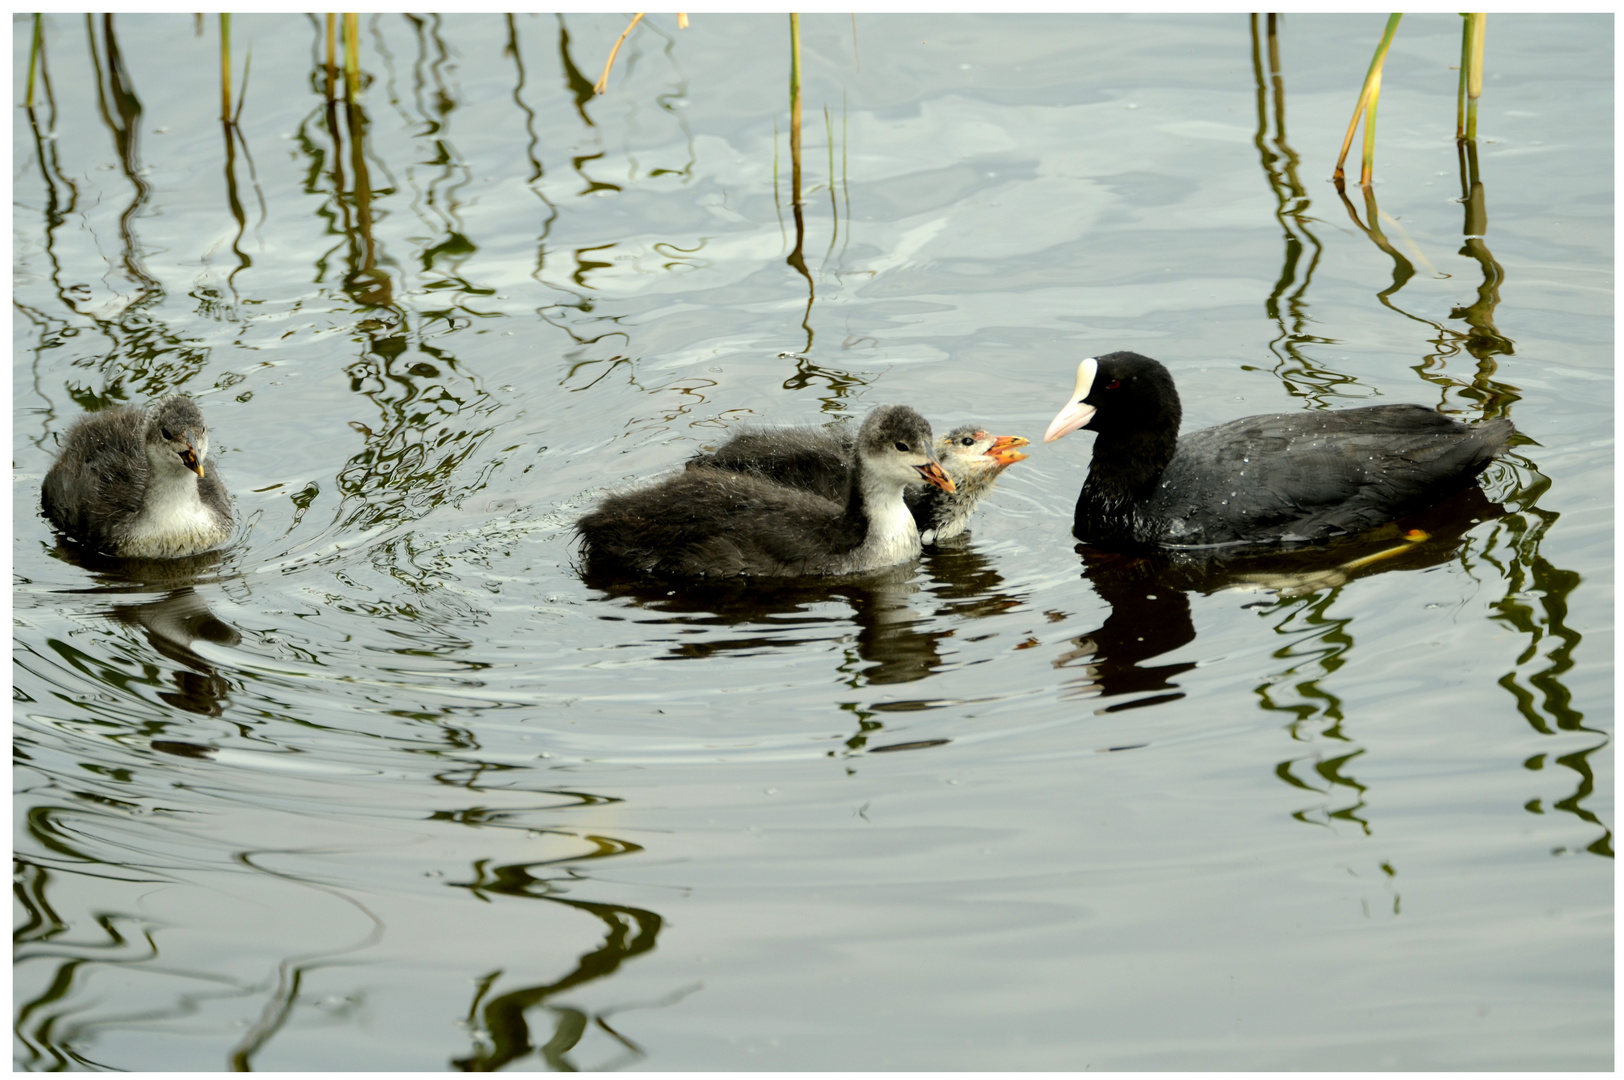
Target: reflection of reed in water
{"x":1535,"y":605}
{"x":145,"y":358}
{"x":1481,"y":340}
{"x":1536,"y":592}
{"x":433,"y":420}
{"x":502,"y":1022}
{"x":1287,"y":305}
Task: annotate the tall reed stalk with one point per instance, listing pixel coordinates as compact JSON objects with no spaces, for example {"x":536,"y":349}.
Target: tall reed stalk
{"x":1471,"y":74}
{"x":332,"y":55}
{"x":352,"y":56}
{"x":34,"y":47}
{"x":795,"y":106}
{"x":1366,"y":108}
{"x":225,"y":68}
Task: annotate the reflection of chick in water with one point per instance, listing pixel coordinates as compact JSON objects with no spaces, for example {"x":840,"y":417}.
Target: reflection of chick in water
{"x":1150,"y":608}
{"x":175,"y":573}
{"x":966,"y":581}
{"x":887,"y":636}
{"x":171,"y":625}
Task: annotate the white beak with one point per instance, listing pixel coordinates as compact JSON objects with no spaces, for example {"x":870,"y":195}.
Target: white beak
{"x":1076,"y":414}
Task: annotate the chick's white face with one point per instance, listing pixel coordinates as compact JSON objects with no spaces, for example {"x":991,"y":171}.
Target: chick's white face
{"x":896,"y":447}
{"x":963,"y":446}
{"x":901,"y":459}
{"x":971,"y":454}
{"x":177,"y":442}
{"x":963,"y":455}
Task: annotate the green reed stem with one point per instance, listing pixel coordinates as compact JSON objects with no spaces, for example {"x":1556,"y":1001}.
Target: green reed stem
{"x":1367,"y":160}
{"x":795,"y":106}
{"x":1471,"y":73}
{"x":33,"y":57}
{"x":332,"y":54}
{"x":225,"y":68}
{"x":1367,"y":95}
{"x":352,"y":56}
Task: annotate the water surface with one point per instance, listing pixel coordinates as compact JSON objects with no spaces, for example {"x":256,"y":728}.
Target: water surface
{"x":387,"y":785}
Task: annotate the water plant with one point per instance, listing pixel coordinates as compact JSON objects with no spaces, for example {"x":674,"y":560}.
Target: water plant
{"x":1471,"y":87}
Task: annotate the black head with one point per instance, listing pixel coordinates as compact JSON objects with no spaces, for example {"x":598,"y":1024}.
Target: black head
{"x":1119,"y":392}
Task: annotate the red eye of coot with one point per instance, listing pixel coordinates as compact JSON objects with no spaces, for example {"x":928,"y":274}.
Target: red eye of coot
{"x":1113,"y":384}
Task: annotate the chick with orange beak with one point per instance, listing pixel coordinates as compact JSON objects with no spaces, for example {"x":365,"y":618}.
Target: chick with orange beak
{"x":975,"y":460}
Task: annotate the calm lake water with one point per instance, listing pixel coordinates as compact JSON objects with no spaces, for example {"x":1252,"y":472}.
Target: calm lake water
{"x":387,"y":785}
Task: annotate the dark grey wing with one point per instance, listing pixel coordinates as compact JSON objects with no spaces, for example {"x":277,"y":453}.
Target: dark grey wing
{"x":1309,"y":476}
{"x":809,"y":459}
{"x":707,"y":522}
{"x":100,"y":477}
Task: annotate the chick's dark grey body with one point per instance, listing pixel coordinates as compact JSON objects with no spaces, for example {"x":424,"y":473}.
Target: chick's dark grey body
{"x":1279,"y":478}
{"x":815,"y":460}
{"x":820,"y":461}
{"x":137,"y":483}
{"x":712,"y":522}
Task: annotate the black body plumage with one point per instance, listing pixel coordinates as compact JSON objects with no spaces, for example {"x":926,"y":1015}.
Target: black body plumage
{"x":1279,"y":478}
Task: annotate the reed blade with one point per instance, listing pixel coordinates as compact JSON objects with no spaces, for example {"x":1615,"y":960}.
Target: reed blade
{"x":603,"y":80}
{"x":33,"y":58}
{"x":1372,"y":83}
{"x":795,"y":107}
{"x":225,"y":68}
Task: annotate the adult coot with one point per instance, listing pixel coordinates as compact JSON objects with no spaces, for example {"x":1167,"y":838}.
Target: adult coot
{"x":820,"y":460}
{"x":136,"y":483}
{"x":1279,"y":478}
{"x":711,"y":522}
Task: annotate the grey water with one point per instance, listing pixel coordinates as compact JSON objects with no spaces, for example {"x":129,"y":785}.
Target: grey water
{"x":387,"y":785}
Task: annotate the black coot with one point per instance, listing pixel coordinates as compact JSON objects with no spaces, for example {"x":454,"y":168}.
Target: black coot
{"x":711,"y":522}
{"x":1279,"y":478}
{"x":820,"y":460}
{"x":136,"y":483}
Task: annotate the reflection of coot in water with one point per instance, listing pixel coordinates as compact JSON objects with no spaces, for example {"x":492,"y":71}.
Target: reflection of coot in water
{"x":1150,"y":608}
{"x":171,"y":625}
{"x":136,"y":484}
{"x":1270,"y":480}
{"x":711,"y":523}
{"x":141,"y":575}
